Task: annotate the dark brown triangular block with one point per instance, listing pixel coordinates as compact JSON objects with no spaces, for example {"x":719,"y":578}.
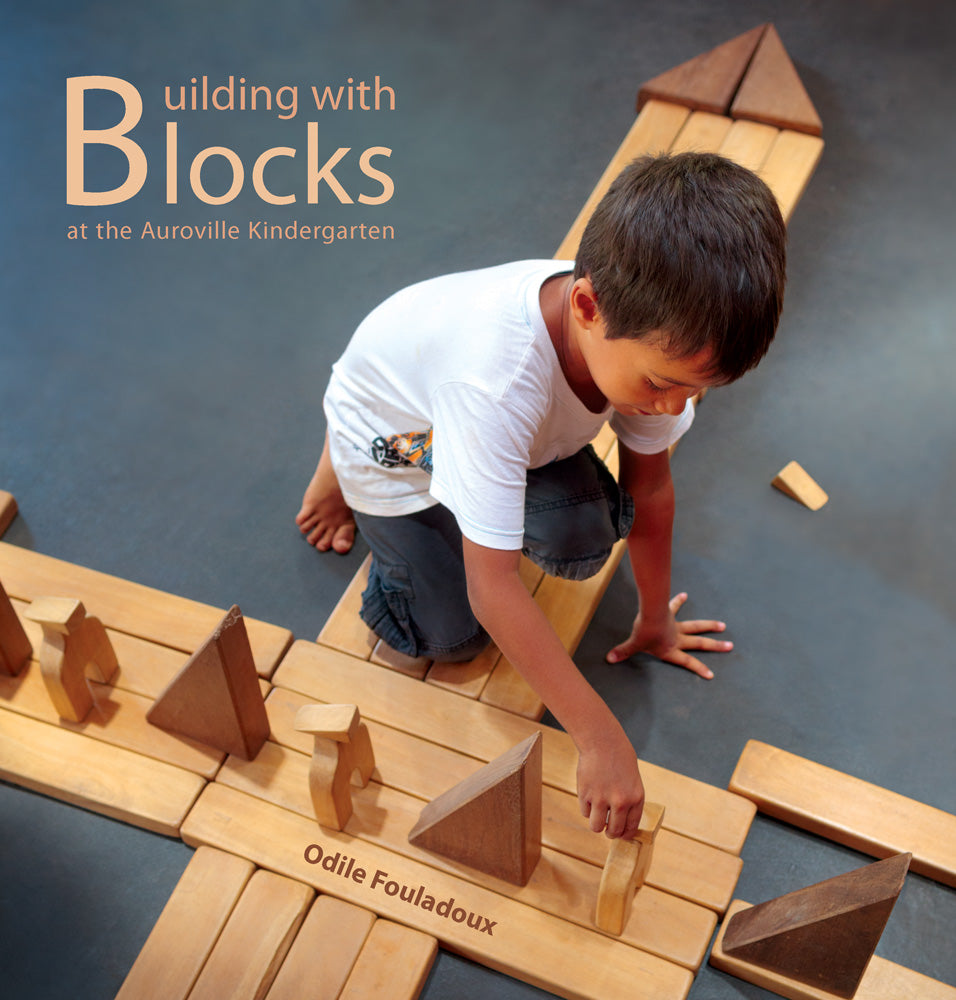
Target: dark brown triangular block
{"x":215,"y":698}
{"x":15,"y":647}
{"x":823,"y":935}
{"x":772,"y":92}
{"x":709,"y":81}
{"x":492,"y":820}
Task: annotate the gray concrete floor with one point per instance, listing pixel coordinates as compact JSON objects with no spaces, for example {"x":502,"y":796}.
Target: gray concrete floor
{"x":161,"y":401}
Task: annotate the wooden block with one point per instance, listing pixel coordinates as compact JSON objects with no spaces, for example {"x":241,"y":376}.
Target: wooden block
{"x":466,"y":679}
{"x":334,"y":722}
{"x":345,"y":630}
{"x":789,"y":166}
{"x":130,"y":607}
{"x":335,"y":759}
{"x":491,"y":820}
{"x":660,"y":923}
{"x":255,"y":940}
{"x":625,"y":870}
{"x":412,"y":666}
{"x":8,"y":510}
{"x":748,"y":144}
{"x":881,"y":981}
{"x":91,"y":774}
{"x":183,"y":936}
{"x":703,"y":132}
{"x":653,"y":132}
{"x":771,"y":91}
{"x":796,"y":483}
{"x":15,"y":648}
{"x":856,"y":813}
{"x":520,"y":941}
{"x":117,"y":717}
{"x":694,"y":808}
{"x":709,"y":81}
{"x":216,"y":698}
{"x":508,"y":690}
{"x":825,"y":934}
{"x":324,"y":951}
{"x":393,"y":965}
{"x":74,"y":644}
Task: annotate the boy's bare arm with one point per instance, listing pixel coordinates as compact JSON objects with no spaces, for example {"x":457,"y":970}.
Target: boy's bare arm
{"x":610,"y":790}
{"x":656,"y":630}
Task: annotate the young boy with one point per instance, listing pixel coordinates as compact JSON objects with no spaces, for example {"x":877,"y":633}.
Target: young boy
{"x":460,"y":412}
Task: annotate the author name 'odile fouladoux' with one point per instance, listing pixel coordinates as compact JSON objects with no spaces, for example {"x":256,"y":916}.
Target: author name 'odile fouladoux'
{"x":317,"y":171}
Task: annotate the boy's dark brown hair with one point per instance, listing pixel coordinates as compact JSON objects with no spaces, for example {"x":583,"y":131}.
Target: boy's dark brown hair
{"x":694,"y":246}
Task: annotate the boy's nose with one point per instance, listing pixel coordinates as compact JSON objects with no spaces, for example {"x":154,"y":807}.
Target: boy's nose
{"x":672,"y":404}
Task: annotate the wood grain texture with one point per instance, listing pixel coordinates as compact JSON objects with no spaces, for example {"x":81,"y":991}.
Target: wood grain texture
{"x":131,"y":607}
{"x":848,"y":810}
{"x":189,"y":926}
{"x":393,"y":964}
{"x":524,"y":942}
{"x":881,"y":981}
{"x":789,"y":166}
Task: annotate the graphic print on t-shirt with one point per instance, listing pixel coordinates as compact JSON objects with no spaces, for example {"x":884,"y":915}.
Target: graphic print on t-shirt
{"x":411,"y":448}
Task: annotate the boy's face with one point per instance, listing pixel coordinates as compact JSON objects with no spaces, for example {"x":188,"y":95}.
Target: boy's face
{"x":636,"y":376}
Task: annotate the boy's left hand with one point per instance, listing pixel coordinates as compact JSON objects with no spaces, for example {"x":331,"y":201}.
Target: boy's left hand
{"x":670,"y":639}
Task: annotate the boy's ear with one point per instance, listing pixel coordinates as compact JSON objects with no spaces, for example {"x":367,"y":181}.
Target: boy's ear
{"x":583,"y":303}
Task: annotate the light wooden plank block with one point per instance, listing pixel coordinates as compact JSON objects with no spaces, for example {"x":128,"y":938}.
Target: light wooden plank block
{"x":131,"y":607}
{"x":255,"y":940}
{"x":789,"y":167}
{"x":411,"y":666}
{"x":393,"y":965}
{"x":188,"y":928}
{"x":345,"y":630}
{"x":117,"y":717}
{"x":653,"y":132}
{"x":848,"y":810}
{"x":749,"y":143}
{"x":694,"y":808}
{"x":511,"y":937}
{"x":324,"y":951}
{"x":91,"y":774}
{"x":703,"y":132}
{"x":883,"y":980}
{"x":683,"y":867}
{"x":8,"y":510}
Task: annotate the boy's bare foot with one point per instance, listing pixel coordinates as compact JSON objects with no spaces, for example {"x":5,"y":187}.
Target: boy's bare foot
{"x":325,"y":518}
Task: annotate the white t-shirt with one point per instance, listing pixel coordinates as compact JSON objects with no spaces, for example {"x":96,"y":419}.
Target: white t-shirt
{"x":451,"y":389}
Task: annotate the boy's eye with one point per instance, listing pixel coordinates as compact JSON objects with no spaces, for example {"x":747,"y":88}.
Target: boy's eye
{"x":655,"y":387}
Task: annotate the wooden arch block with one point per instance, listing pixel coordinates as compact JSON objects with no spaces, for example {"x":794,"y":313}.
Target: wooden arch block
{"x":216,"y":698}
{"x":15,"y":647}
{"x":823,"y":935}
{"x":74,"y":644}
{"x":772,"y":92}
{"x":709,"y":81}
{"x":491,"y":820}
{"x":793,"y":480}
{"x":342,"y":746}
{"x":625,"y":871}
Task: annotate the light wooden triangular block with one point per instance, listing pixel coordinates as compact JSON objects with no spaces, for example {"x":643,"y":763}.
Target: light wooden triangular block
{"x":709,"y":81}
{"x":772,"y":92}
{"x":492,"y":820}
{"x":823,"y":935}
{"x":793,"y":480}
{"x":215,"y":698}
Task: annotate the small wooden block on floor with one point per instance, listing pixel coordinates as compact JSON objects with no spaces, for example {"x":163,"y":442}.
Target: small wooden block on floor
{"x":793,"y":480}
{"x":393,"y":965}
{"x":255,"y":940}
{"x":848,"y":810}
{"x":189,"y":926}
{"x":881,"y":981}
{"x":324,"y":951}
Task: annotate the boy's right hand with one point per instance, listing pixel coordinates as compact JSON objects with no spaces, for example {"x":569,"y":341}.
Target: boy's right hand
{"x":610,"y":790}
